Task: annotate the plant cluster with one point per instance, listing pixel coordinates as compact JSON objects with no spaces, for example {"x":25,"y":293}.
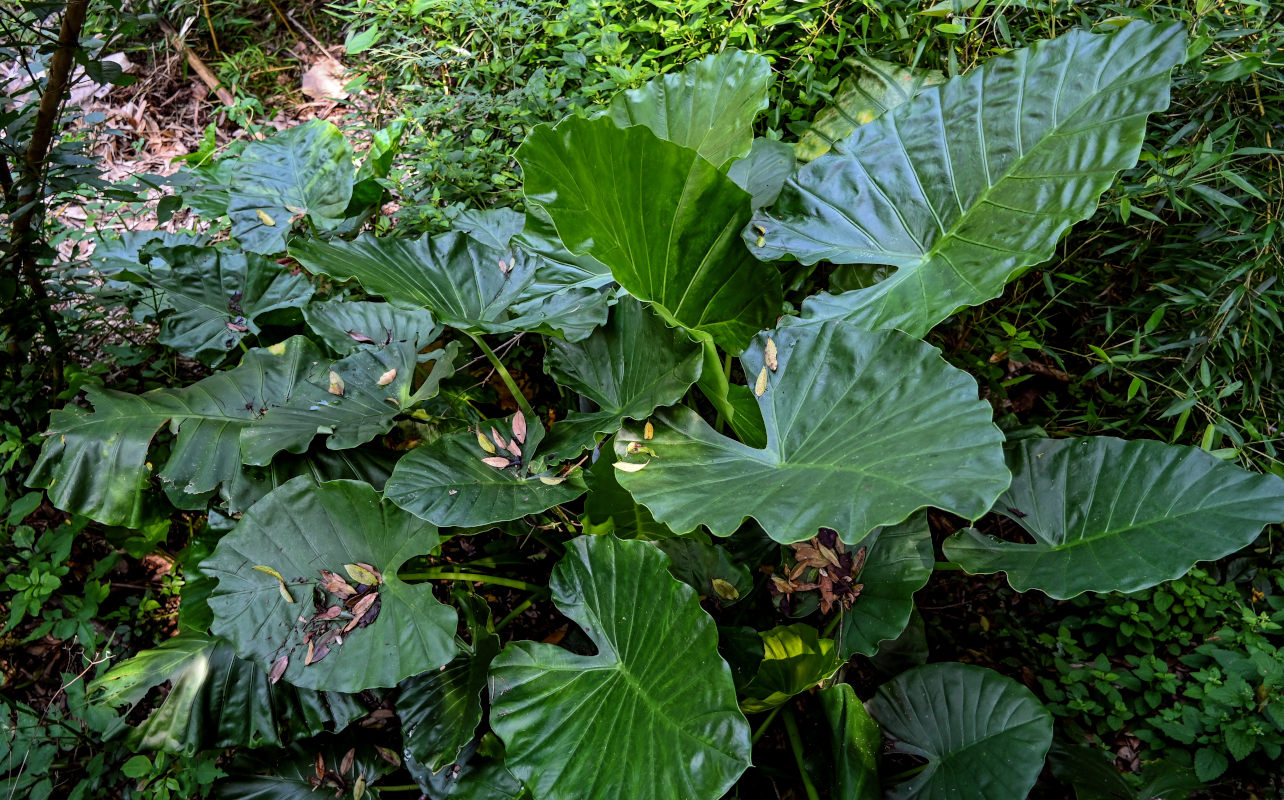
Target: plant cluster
{"x":345,"y":455}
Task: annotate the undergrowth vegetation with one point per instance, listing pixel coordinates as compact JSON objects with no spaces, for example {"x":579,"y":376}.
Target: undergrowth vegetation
{"x":689,"y":399}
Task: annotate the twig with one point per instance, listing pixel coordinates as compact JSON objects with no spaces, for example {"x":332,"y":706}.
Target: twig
{"x":225,"y":96}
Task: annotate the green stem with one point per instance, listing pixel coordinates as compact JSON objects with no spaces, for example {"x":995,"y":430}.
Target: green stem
{"x":765,"y":724}
{"x":795,"y":744}
{"x":833,"y":623}
{"x":512,"y":615}
{"x":502,"y":371}
{"x":948,"y":566}
{"x":450,"y":575}
{"x":909,"y":773}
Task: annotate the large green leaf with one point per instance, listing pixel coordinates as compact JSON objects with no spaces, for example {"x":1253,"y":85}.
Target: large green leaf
{"x":634,"y":720}
{"x":371,"y":464}
{"x":795,"y":658}
{"x":984,"y":736}
{"x":630,"y":367}
{"x":217,"y":296}
{"x":897,"y":564}
{"x":477,"y":775}
{"x":305,"y":771}
{"x":1114,"y":515}
{"x":709,"y":106}
{"x":217,"y":700}
{"x":970,"y":183}
{"x":863,"y":429}
{"x":447,"y":483}
{"x":872,"y":87}
{"x":349,"y":326}
{"x":610,"y":509}
{"x":95,"y":463}
{"x":857,"y":743}
{"x":764,"y":171}
{"x":441,"y":709}
{"x":306,"y":170}
{"x":707,"y":568}
{"x":350,"y":401}
{"x":463,"y":282}
{"x":299,"y":529}
{"x":663,"y":219}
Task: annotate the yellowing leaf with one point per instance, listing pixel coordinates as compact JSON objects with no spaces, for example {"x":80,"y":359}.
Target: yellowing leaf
{"x":648,"y":430}
{"x":761,"y":385}
{"x":360,"y":574}
{"x":486,"y":444}
{"x":264,"y":218}
{"x":285,"y":593}
{"x":277,"y":349}
{"x":387,"y":377}
{"x":548,"y":481}
{"x":336,"y":383}
{"x":269,"y":571}
{"x":624,"y":466}
{"x":726,"y":590}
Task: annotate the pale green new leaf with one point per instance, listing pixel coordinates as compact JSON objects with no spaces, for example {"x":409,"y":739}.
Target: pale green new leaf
{"x":300,"y":529}
{"x":629,"y":368}
{"x":795,"y":658}
{"x":1114,"y":515}
{"x":984,"y":736}
{"x":970,"y":183}
{"x":302,"y":171}
{"x":634,"y":702}
{"x":664,"y":220}
{"x":709,"y":107}
{"x":447,"y":483}
{"x":863,"y":429}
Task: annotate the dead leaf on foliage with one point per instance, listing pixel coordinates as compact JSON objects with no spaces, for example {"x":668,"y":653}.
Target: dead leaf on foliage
{"x":325,"y":81}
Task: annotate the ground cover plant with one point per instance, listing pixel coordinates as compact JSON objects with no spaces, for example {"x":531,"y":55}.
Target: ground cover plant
{"x":654,"y":249}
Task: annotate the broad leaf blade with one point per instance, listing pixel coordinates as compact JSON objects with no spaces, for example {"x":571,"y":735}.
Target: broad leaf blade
{"x":795,"y":658}
{"x":863,"y":429}
{"x":764,"y":171}
{"x":302,"y":528}
{"x":610,"y":509}
{"x":447,"y":483}
{"x":897,"y":564}
{"x":306,"y":170}
{"x":676,"y":716}
{"x":663,"y":219}
{"x":629,"y":368}
{"x":217,"y":700}
{"x":709,"y":107}
{"x":984,"y":736}
{"x":857,"y":743}
{"x":1114,"y":515}
{"x":970,"y":183}
{"x":348,"y":326}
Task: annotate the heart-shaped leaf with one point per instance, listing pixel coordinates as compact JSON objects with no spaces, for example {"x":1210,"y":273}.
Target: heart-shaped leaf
{"x":857,"y":743}
{"x":1114,"y":515}
{"x":970,"y":183}
{"x":984,"y":736}
{"x":676,"y":716}
{"x":663,"y":219}
{"x":305,"y":170}
{"x":464,"y":283}
{"x":863,"y":429}
{"x":217,"y":700}
{"x":298,"y":530}
{"x":897,"y":564}
{"x":451,"y":483}
{"x":795,"y":658}
{"x":709,"y":107}
{"x":217,"y":297}
{"x":630,"y":367}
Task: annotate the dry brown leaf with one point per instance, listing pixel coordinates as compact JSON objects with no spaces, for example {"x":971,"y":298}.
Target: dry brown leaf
{"x":387,"y":377}
{"x":278,"y":669}
{"x":519,"y":427}
{"x":336,"y":383}
{"x":498,"y":462}
{"x":772,"y":363}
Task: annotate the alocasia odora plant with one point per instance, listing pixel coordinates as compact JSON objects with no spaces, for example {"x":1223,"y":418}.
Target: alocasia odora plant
{"x":651,"y":253}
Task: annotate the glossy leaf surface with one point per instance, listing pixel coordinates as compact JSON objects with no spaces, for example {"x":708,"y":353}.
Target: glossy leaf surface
{"x":795,"y":658}
{"x":863,"y":429}
{"x":662,"y":218}
{"x":1113,"y":515}
{"x":447,"y":483}
{"x":305,"y":170}
{"x":217,"y":700}
{"x":347,"y":326}
{"x":897,"y":564}
{"x":300,"y":529}
{"x":984,"y":736}
{"x":632,"y":702}
{"x":630,"y":367}
{"x":708,"y":107}
{"x":608,"y":508}
{"x":970,"y":183}
{"x":857,"y":743}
